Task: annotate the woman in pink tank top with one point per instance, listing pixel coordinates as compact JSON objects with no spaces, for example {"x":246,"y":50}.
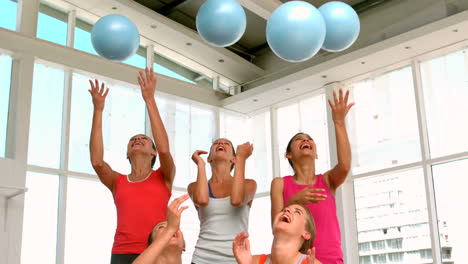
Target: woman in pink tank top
{"x":317,"y":191}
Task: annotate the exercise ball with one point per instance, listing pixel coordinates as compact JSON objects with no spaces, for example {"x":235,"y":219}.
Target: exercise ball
{"x":342,"y":24}
{"x":295,"y":31}
{"x":221,"y":23}
{"x":115,"y":37}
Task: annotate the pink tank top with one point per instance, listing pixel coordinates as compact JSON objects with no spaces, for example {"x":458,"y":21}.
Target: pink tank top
{"x":328,"y":236}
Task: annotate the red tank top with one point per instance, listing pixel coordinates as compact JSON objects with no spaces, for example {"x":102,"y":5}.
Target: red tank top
{"x":140,"y":206}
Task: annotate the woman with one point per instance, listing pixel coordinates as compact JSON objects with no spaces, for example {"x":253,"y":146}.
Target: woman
{"x":140,"y":197}
{"x":293,"y":231}
{"x":317,"y":191}
{"x":223,"y":202}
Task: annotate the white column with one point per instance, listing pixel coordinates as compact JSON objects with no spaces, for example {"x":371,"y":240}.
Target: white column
{"x":26,"y":21}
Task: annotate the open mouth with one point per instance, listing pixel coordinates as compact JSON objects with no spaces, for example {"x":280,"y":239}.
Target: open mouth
{"x":220,"y":148}
{"x":306,"y":146}
{"x":285,"y":218}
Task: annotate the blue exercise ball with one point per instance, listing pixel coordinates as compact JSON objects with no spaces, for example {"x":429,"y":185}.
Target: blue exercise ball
{"x":342,"y":24}
{"x":295,"y":31}
{"x":221,"y":23}
{"x":115,"y":37}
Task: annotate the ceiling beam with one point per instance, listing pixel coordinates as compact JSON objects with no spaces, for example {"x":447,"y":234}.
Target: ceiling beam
{"x":169,"y":8}
{"x":262,"y":8}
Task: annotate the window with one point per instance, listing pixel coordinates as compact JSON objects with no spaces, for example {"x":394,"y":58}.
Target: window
{"x":52,"y":25}
{"x":40,"y":219}
{"x":8,"y":10}
{"x":5,"y":83}
{"x":255,"y":129}
{"x":167,"y":67}
{"x":90,"y":222}
{"x":445,"y":87}
{"x":409,"y":212}
{"x":449,"y":182}
{"x":165,"y":71}
{"x":123,"y":117}
{"x":45,"y":131}
{"x":308,"y":116}
{"x":383,"y":124}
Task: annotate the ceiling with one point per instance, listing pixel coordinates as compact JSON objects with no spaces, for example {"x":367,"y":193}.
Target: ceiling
{"x":252,"y":43}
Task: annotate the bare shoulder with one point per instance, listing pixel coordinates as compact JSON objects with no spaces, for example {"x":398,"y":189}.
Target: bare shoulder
{"x":190,"y":188}
{"x":277,"y":183}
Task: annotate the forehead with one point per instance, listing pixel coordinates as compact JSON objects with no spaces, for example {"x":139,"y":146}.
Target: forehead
{"x":139,"y":135}
{"x":160,"y":224}
{"x":302,"y":136}
{"x":296,"y":207}
{"x":223,"y":140}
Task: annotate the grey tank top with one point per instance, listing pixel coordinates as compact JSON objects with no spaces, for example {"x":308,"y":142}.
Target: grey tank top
{"x":220,"y":222}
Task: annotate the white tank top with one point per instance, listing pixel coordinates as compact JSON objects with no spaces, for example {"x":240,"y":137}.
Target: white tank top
{"x":220,"y":222}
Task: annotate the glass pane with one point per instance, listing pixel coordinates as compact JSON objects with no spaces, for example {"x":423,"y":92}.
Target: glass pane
{"x":8,"y":10}
{"x":392,"y":218}
{"x":383,"y":125}
{"x":45,"y":131}
{"x":450,"y":186}
{"x":51,"y":28}
{"x":138,"y":59}
{"x":83,"y":40}
{"x":94,"y":234}
{"x":202,"y":133}
{"x":314,"y":122}
{"x":445,"y":83}
{"x":123,"y":117}
{"x":165,"y":71}
{"x":288,"y":124}
{"x":183,"y":150}
{"x":40,"y":219}
{"x":5,"y":83}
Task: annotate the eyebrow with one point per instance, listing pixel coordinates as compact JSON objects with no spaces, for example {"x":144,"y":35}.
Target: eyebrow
{"x":143,"y":136}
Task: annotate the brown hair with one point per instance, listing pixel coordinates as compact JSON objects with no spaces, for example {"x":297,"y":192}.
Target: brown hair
{"x":288,"y":147}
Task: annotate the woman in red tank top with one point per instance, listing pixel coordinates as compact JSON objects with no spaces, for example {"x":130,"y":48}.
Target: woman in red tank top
{"x":317,"y":192}
{"x":293,"y":234}
{"x":140,"y":197}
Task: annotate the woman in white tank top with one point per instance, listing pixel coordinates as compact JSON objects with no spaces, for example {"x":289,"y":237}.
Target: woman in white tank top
{"x":223,"y":202}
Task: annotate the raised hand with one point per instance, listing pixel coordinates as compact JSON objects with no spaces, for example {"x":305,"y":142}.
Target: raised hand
{"x":98,"y":94}
{"x":244,"y":150}
{"x":196,"y":157}
{"x":340,"y":107}
{"x":308,"y":195}
{"x":147,"y":80}
{"x":241,"y":249}
{"x":174,"y":212}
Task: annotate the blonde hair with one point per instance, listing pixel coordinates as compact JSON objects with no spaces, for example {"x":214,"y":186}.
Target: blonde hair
{"x":310,"y":227}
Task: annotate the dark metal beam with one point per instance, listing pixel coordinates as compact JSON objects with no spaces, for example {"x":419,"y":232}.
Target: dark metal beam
{"x":169,"y":8}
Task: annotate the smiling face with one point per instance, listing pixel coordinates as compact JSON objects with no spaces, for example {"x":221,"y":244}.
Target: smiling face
{"x":141,"y":144}
{"x":299,"y":146}
{"x":296,"y":220}
{"x":222,"y":150}
{"x":176,"y":241}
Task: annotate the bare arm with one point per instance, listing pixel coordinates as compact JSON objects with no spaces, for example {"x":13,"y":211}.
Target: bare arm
{"x":199,"y":190}
{"x":336,"y":176}
{"x":276,"y":195}
{"x":96,"y":145}
{"x":243,"y":191}
{"x":151,"y":254}
{"x":147,"y":81}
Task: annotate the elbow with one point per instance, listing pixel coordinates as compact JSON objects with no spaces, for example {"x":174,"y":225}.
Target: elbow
{"x":236,"y":202}
{"x":97,"y":163}
{"x":201,"y":202}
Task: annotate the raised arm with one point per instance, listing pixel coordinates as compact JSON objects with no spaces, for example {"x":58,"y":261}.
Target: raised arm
{"x":199,"y":190}
{"x":96,"y":145}
{"x":243,"y":191}
{"x":147,"y":81}
{"x":151,"y":254}
{"x":336,"y":176}
{"x":276,"y":197}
